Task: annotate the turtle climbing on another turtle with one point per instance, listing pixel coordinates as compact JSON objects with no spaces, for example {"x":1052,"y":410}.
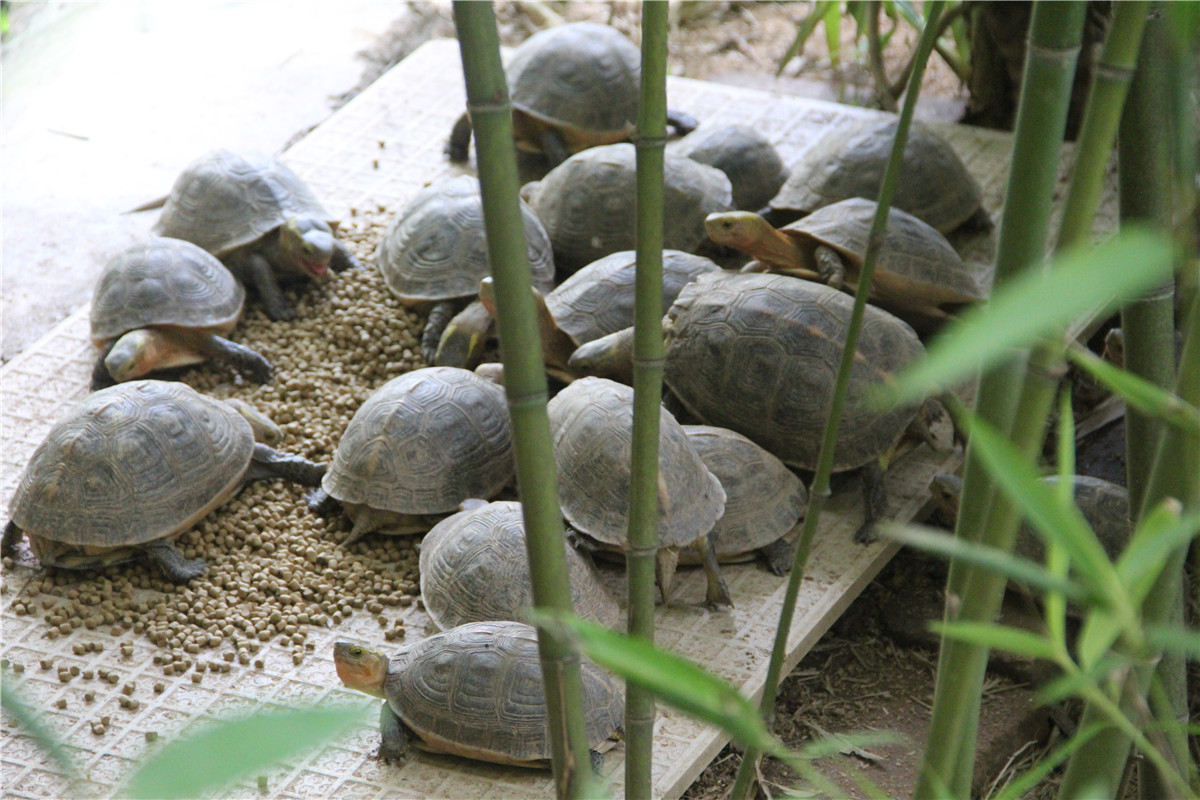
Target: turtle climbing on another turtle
{"x":134,"y":466}
{"x":256,"y":215}
{"x":167,"y":303}
{"x":744,"y":154}
{"x":475,"y":691}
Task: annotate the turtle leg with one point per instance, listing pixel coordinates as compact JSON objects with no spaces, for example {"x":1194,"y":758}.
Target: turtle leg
{"x":458,"y":146}
{"x":717,"y":593}
{"x":322,"y":503}
{"x":554,"y":147}
{"x":979,"y":222}
{"x":683,"y":122}
{"x":439,"y":317}
{"x":463,"y":339}
{"x":166,"y":557}
{"x":393,"y":746}
{"x":342,"y":259}
{"x":665,"y":562}
{"x":874,"y":502}
{"x":255,"y":270}
{"x":780,"y":555}
{"x":12,"y":535}
{"x":597,"y":759}
{"x":251,"y":362}
{"x":830,"y":267}
{"x":268,"y":462}
{"x":101,"y":377}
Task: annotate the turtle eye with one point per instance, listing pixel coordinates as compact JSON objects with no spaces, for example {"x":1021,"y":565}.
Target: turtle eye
{"x":356,"y":651}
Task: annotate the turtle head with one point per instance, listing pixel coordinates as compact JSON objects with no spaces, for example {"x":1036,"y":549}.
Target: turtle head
{"x":133,"y":355}
{"x":361,"y":668}
{"x":307,"y":245}
{"x":264,"y":428}
{"x":946,"y":491}
{"x":741,"y":230}
{"x":557,"y":345}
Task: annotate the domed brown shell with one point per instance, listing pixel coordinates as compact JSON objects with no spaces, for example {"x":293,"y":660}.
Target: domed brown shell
{"x":744,"y":154}
{"x":474,"y":567}
{"x":225,"y":200}
{"x":476,"y":691}
{"x":164,"y":282}
{"x":436,"y":248}
{"x":424,"y":442}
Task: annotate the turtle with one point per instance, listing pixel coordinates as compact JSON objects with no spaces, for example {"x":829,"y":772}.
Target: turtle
{"x":474,"y":691}
{"x":586,"y":203}
{"x":255,"y":214}
{"x":764,"y":500}
{"x":571,"y":87}
{"x":433,"y":254}
{"x":918,"y":276}
{"x":474,"y":568}
{"x":934,"y":185}
{"x":744,"y":154}
{"x":416,"y":449}
{"x":591,"y":428}
{"x":166,"y":303}
{"x":135,"y":465}
{"x":758,"y":354}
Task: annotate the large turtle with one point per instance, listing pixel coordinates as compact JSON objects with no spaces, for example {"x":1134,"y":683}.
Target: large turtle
{"x":586,"y":203}
{"x":166,"y":303}
{"x":256,"y":215}
{"x":474,"y":691}
{"x":935,"y":186}
{"x":919,"y":276}
{"x":474,"y":567}
{"x":759,"y":354}
{"x":433,"y":255}
{"x":744,"y":154}
{"x":572,"y":87}
{"x":591,"y":426}
{"x":134,"y":466}
{"x":422,"y":444}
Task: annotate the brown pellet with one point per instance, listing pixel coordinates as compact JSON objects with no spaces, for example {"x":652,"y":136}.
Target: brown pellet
{"x":159,"y":687}
{"x":61,"y":702}
{"x":89,"y":697}
{"x":151,"y":737}
{"x":128,"y":689}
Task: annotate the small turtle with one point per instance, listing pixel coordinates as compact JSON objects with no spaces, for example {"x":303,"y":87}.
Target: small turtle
{"x":474,"y":567}
{"x":591,"y":426}
{"x":433,"y":255}
{"x":256,"y":215}
{"x":758,"y":354}
{"x":134,"y":466}
{"x":934,"y":184}
{"x":744,"y":154}
{"x":764,"y":500}
{"x":166,"y":303}
{"x":586,"y":203}
{"x":572,"y":87}
{"x":919,"y":276}
{"x":422,"y":444}
{"x":474,"y":691}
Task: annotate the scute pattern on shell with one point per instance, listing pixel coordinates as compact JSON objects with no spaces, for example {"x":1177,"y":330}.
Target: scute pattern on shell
{"x":744,"y":154}
{"x":591,"y":426}
{"x":759,"y":353}
{"x":475,"y":568}
{"x":477,"y":690}
{"x":133,"y":463}
{"x":436,"y":247}
{"x":164,"y":282}
{"x":224,"y":200}
{"x":424,"y":442}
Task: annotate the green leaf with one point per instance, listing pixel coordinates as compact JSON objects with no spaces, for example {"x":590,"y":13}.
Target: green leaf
{"x":807,"y":26}
{"x":1181,"y":641}
{"x":1159,"y":533}
{"x":1035,"y":305}
{"x":999,"y":637}
{"x":1138,"y":392}
{"x":31,"y":722}
{"x":230,"y":749}
{"x":908,"y":11}
{"x":833,"y":33}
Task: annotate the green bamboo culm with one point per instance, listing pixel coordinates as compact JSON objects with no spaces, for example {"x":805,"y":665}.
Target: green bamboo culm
{"x":744,"y":784}
{"x":525,"y":385}
{"x":647,"y":384}
{"x":974,"y":594}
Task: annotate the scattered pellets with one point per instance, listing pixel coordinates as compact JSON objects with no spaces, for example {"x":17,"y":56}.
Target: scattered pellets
{"x":151,"y":737}
{"x":46,"y":663}
{"x":126,"y":649}
{"x":114,"y":678}
{"x":297,"y":659}
{"x":79,"y":649}
{"x":88,"y":674}
{"x":18,"y":668}
{"x":99,"y":728}
{"x":61,"y":703}
{"x":105,"y":720}
{"x":159,"y":687}
{"x":262,"y":783}
{"x":197,"y":677}
{"x":128,"y":688}
{"x":258,"y":664}
{"x":88,"y":697}
{"x":228,"y":656}
{"x":64,"y":675}
{"x":75,"y":671}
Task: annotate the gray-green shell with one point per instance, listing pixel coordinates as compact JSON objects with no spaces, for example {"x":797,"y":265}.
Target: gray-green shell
{"x":598,"y":299}
{"x":164,"y":282}
{"x":1104,"y":505}
{"x":474,"y":567}
{"x":133,"y":463}
{"x":478,"y":690}
{"x":744,"y":154}
{"x":758,"y":354}
{"x":436,"y":248}
{"x":849,"y":162}
{"x":225,"y":200}
{"x":586,"y":203}
{"x":424,"y":442}
{"x":591,"y":426}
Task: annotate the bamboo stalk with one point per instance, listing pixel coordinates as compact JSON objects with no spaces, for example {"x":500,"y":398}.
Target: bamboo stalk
{"x":647,"y":383}
{"x":525,"y":385}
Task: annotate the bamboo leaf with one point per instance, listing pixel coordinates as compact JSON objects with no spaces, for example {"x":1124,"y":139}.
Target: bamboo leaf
{"x":833,"y":32}
{"x":31,"y":722}
{"x":807,"y":26}
{"x":999,"y":637}
{"x":1181,"y":641}
{"x":1139,"y":392}
{"x":908,"y":11}
{"x":1159,"y":533}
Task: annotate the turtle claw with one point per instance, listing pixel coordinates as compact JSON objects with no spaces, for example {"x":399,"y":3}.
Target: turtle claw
{"x":177,"y":569}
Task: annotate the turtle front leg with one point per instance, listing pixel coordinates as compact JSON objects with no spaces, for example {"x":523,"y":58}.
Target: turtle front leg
{"x":458,"y":146}
{"x":439,"y":317}
{"x":665,"y":562}
{"x":874,"y":502}
{"x":554,"y":147}
{"x":683,"y":122}
{"x":830,"y":267}
{"x":255,"y":270}
{"x":101,"y":377}
{"x":244,"y":359}
{"x":780,"y":554}
{"x":393,"y":747}
{"x":12,"y":535}
{"x":166,"y":557}
{"x":717,"y":593}
{"x":342,"y":259}
{"x":463,"y":339}
{"x":322,"y":503}
{"x":268,"y":462}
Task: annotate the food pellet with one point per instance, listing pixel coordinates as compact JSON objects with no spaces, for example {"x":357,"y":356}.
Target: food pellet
{"x":159,"y":687}
{"x":151,"y":737}
{"x":89,"y":697}
{"x":128,"y":689}
{"x":61,"y":703}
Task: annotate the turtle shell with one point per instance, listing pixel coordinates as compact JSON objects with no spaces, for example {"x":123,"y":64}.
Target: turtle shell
{"x":591,"y":427}
{"x":225,"y":200}
{"x":474,"y":567}
{"x":586,"y":203}
{"x":136,"y":462}
{"x":934,"y":184}
{"x":598,"y":299}
{"x":759,"y":353}
{"x":424,"y":442}
{"x":476,"y":691}
{"x":763,"y":498}
{"x":744,"y":154}
{"x":436,"y":248}
{"x":164,"y":282}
